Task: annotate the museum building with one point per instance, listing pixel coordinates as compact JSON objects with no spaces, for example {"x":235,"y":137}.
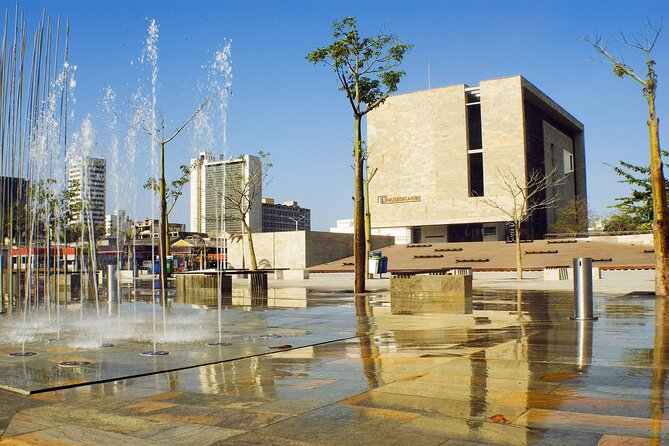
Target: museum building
{"x":439,"y":152}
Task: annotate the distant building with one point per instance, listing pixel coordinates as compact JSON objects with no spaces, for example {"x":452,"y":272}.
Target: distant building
{"x":439,"y":151}
{"x":147,"y":228}
{"x":207,"y":204}
{"x":284,"y":217}
{"x":13,"y":191}
{"x":117,"y":222}
{"x":87,"y":184}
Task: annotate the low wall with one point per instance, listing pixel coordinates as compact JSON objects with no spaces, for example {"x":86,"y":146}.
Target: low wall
{"x":297,"y":249}
{"x":642,"y":239}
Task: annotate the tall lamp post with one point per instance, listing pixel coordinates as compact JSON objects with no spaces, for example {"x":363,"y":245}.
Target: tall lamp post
{"x":297,"y":220}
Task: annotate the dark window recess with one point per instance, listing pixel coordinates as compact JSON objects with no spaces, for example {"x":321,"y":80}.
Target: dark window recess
{"x":472,"y":232}
{"x":475,"y":137}
{"x":475,"y":174}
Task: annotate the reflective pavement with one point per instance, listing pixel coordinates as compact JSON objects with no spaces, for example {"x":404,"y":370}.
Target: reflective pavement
{"x":514,"y":371}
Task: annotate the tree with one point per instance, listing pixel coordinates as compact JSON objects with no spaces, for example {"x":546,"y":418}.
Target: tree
{"x":242,"y":193}
{"x":365,"y":68}
{"x":573,"y":217}
{"x":646,"y":43}
{"x":174,"y":190}
{"x":639,"y":205}
{"x":621,"y":222}
{"x":519,"y":198}
{"x":159,"y":137}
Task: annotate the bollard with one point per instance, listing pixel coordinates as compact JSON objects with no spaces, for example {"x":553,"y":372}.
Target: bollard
{"x":111,"y":283}
{"x":583,"y":289}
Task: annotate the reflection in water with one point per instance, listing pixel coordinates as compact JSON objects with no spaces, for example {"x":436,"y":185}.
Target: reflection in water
{"x":403,"y":302}
{"x":369,"y":351}
{"x":478,"y":390}
{"x":294,"y":297}
{"x":583,"y":344}
{"x":659,"y":369}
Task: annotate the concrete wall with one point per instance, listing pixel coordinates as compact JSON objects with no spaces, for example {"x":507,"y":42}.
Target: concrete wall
{"x":298,"y":249}
{"x":555,"y":143}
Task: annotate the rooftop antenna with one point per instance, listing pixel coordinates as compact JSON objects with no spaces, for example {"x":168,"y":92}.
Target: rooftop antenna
{"x":429,"y":87}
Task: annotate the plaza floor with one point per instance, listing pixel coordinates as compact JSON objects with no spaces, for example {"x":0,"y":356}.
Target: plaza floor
{"x":366,"y":370}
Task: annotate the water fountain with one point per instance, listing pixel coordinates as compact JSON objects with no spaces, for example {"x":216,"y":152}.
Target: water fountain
{"x":53,"y":300}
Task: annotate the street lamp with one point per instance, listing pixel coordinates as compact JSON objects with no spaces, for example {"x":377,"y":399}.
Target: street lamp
{"x":297,"y":220}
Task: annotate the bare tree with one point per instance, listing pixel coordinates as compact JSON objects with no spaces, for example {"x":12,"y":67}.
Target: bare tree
{"x":519,"y":198}
{"x":645,"y":42}
{"x":242,"y":192}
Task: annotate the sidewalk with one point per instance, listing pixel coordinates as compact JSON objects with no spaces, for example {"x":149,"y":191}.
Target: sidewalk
{"x":612,"y":282}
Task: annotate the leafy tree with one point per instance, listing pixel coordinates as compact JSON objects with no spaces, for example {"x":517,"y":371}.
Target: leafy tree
{"x":639,"y":204}
{"x":520,"y":197}
{"x":646,"y":43}
{"x":572,"y":218}
{"x":174,"y":190}
{"x":365,"y":68}
{"x":621,"y":222}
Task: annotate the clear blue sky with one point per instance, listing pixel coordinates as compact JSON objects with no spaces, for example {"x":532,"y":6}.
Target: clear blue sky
{"x":283,"y":105}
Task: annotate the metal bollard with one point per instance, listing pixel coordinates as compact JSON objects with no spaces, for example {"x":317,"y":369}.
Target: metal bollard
{"x":583,"y":289}
{"x":111,"y":283}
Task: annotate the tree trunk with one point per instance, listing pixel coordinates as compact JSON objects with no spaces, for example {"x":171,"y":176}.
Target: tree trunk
{"x":368,"y":226}
{"x":162,"y":227}
{"x":358,"y":211}
{"x":252,"y":251}
{"x":519,"y":255}
{"x":660,"y":223}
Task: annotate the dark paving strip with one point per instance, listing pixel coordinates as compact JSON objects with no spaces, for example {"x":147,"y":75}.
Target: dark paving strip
{"x":52,"y":388}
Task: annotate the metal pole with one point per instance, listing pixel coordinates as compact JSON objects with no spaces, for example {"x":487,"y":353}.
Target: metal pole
{"x":583,"y":289}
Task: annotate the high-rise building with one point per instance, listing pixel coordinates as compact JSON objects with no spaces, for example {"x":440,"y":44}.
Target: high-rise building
{"x":117,"y":222}
{"x":222,"y":190}
{"x":284,"y":217}
{"x":439,"y":154}
{"x":87,"y":185}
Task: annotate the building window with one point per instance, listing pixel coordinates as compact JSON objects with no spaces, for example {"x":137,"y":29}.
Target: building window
{"x":568,"y":161}
{"x":474,"y":144}
{"x":476,"y":174}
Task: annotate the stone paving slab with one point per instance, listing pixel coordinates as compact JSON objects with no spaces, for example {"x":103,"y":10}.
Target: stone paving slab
{"x":528,"y":376}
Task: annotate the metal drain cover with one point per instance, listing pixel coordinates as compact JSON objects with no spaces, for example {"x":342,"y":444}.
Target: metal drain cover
{"x":22,"y":354}
{"x":155,"y":353}
{"x":218,"y":344}
{"x":74,"y":363}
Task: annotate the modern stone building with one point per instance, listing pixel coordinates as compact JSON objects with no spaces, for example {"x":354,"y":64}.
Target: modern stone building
{"x":87,"y":183}
{"x":439,"y":151}
{"x":284,"y":217}
{"x":242,"y":178}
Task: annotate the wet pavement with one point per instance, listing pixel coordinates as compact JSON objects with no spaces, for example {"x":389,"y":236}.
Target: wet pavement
{"x":516,"y":371}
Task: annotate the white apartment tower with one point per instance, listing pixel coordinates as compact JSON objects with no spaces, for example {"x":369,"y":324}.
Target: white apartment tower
{"x":87,"y":183}
{"x":242,"y":175}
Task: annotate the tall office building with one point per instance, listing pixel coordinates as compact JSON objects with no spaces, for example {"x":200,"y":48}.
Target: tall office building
{"x":212,"y":214}
{"x":87,"y":183}
{"x":439,"y":151}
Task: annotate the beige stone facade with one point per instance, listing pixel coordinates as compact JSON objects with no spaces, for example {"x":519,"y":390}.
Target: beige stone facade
{"x":425,"y":147}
